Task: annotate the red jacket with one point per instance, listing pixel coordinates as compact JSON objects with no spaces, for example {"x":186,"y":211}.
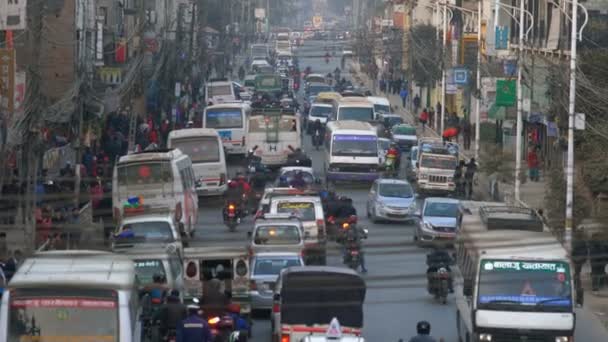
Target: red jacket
{"x":532,"y":159}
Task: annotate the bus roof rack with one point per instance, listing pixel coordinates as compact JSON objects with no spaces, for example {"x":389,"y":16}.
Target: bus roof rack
{"x":267,"y":111}
{"x":219,"y":79}
{"x":158,"y":150}
{"x":510,"y":218}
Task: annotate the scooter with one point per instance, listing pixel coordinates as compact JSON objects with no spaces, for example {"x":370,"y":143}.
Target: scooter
{"x":439,"y":284}
{"x":232,"y":216}
{"x":351,"y":257}
{"x":221,"y":327}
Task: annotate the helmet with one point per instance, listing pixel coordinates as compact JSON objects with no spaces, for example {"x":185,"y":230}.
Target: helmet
{"x":232,"y":184}
{"x":193,"y":308}
{"x":423,"y":328}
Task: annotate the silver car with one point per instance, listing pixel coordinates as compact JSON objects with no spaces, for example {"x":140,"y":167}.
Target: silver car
{"x":439,"y":221}
{"x":265,"y":269}
{"x":277,"y":233}
{"x":391,"y":200}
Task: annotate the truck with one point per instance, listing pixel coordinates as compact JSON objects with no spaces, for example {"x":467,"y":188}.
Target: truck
{"x":435,"y":166}
{"x":515,"y":281}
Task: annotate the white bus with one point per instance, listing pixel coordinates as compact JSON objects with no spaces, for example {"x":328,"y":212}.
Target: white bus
{"x":230,"y":120}
{"x":204,"y":147}
{"x":273,"y":136}
{"x":353,"y":108}
{"x":161,"y":179}
{"x":515,"y":281}
{"x":220,"y":91}
{"x":72,"y":296}
{"x":351,"y":151}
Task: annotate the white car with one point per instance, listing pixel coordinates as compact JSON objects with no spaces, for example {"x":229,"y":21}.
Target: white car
{"x":145,"y":229}
{"x":391,"y":200}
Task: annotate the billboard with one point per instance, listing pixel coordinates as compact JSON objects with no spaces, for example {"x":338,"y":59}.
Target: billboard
{"x":12,"y":15}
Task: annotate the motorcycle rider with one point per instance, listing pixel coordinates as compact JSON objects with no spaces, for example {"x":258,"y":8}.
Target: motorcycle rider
{"x":345,"y":208}
{"x":353,"y":238}
{"x":299,"y":155}
{"x":215,"y":301}
{"x":170,"y":314}
{"x":393,"y":152}
{"x":193,"y":328}
{"x":234,"y":194}
{"x":437,"y":259}
{"x":317,"y":126}
{"x":298,"y":181}
{"x":423,"y":330}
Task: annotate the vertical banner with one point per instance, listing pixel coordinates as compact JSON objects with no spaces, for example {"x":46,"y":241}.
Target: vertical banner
{"x":12,"y":15}
{"x":7,"y":79}
{"x":399,"y":16}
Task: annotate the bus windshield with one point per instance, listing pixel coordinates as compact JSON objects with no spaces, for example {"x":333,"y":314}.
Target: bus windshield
{"x":356,"y":113}
{"x":382,"y":108}
{"x":40,"y":314}
{"x":219,"y":90}
{"x":262,"y":124}
{"x":531,"y":284}
{"x":224,"y":118}
{"x":144,"y":173}
{"x":355,"y":145}
{"x":200,"y":149}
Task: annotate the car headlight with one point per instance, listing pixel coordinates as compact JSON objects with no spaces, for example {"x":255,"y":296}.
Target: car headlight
{"x":562,"y":339}
{"x":427,"y":225}
{"x":424,"y":176}
{"x":381,"y":205}
{"x":485,"y":337}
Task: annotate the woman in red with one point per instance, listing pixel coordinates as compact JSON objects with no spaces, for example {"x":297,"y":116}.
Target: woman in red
{"x":533,"y":165}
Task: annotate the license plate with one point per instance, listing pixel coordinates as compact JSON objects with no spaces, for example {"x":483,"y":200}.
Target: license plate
{"x":354,"y":253}
{"x":231,"y":215}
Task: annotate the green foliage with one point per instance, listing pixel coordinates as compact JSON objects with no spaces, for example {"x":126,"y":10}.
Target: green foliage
{"x":426,"y":54}
{"x":555,"y":199}
{"x":496,"y":162}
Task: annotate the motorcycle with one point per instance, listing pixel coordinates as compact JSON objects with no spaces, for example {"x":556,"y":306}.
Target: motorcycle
{"x":232,"y":216}
{"x":439,"y":284}
{"x":171,"y":336}
{"x":221,"y":327}
{"x":352,"y":256}
{"x":317,"y":139}
{"x":390,"y":165}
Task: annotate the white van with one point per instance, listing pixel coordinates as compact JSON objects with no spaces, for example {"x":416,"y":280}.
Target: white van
{"x":219,"y":91}
{"x":353,"y":108}
{"x":69,"y":296}
{"x":161,"y":179}
{"x":204,"y":147}
{"x":351,"y":151}
{"x":273,"y":136}
{"x":381,"y":105}
{"x":230,"y":120}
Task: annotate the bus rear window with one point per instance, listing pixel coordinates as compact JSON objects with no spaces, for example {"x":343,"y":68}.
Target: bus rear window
{"x":264,"y":124}
{"x":144,"y":173}
{"x":224,"y":118}
{"x":219,"y":90}
{"x":63,"y":315}
{"x":200,"y":150}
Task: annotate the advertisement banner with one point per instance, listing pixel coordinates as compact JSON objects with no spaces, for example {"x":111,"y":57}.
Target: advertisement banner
{"x":317,"y":21}
{"x":12,"y":15}
{"x":7,"y":79}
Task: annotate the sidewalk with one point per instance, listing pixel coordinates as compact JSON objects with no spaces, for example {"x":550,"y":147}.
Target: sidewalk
{"x":532,"y":195}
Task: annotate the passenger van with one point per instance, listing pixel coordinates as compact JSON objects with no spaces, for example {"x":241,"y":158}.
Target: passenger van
{"x":69,"y":296}
{"x":204,"y":147}
{"x":351,"y":151}
{"x":161,"y":178}
{"x":230,"y":120}
{"x":381,"y":105}
{"x":273,"y":135}
{"x":353,"y":108}
{"x":219,"y":91}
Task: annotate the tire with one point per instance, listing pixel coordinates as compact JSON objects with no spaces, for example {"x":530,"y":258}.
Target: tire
{"x":374,"y":218}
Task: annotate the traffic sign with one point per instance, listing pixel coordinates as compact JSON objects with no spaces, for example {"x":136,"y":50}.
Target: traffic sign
{"x":335,"y":330}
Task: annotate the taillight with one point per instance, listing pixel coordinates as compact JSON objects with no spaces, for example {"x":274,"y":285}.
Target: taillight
{"x":231,"y":208}
{"x":345,"y":225}
{"x":331,"y":220}
{"x":214,"y":320}
{"x":222,"y":178}
{"x":276,"y":308}
{"x":284,"y":338}
{"x":191,"y":269}
{"x":253,"y":285}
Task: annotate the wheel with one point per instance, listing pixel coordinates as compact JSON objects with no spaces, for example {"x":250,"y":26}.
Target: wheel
{"x":458,"y":330}
{"x":374,"y":218}
{"x":367,"y":211}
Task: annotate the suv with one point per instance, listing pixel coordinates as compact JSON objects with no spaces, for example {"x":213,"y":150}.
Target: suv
{"x":309,"y":209}
{"x":276,"y":233}
{"x":149,"y":229}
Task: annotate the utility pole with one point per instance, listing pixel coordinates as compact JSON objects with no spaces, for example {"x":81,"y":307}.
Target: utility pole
{"x":478,"y":81}
{"x":520,"y":101}
{"x":571,"y":113}
{"x":443,"y":73}
{"x":192,"y":19}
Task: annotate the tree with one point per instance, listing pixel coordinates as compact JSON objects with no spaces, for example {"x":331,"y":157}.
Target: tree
{"x":426,"y":54}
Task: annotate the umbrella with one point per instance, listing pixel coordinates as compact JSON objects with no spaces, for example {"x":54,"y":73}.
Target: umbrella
{"x":450,"y":132}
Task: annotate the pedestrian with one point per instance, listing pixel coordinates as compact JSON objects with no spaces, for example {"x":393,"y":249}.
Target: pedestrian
{"x":403,"y":94}
{"x":580,"y":254}
{"x":241,"y":73}
{"x":431,"y":117}
{"x":466,"y":133}
{"x":459,"y":178}
{"x":532,"y":160}
{"x":382,"y":85}
{"x":469,"y":176}
{"x":438,"y":105}
{"x":424,"y":118}
{"x":416,"y":103}
{"x":598,"y":258}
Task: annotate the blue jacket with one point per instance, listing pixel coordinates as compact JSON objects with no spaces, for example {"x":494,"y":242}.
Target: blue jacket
{"x":193,"y":329}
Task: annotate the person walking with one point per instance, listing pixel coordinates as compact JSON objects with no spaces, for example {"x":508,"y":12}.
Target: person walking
{"x":466,"y":133}
{"x":598,"y":259}
{"x":403,"y":95}
{"x":382,"y":85}
{"x":416,"y":103}
{"x":469,"y":176}
{"x":580,"y":254}
{"x":532,"y":160}
{"x":424,"y":118}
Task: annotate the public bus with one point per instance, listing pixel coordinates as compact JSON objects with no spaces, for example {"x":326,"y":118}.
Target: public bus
{"x":273,"y":135}
{"x":220,"y":91}
{"x":351,"y":151}
{"x":72,"y":296}
{"x":204,"y":147}
{"x":160,"y":179}
{"x":353,"y":108}
{"x":230,"y":120}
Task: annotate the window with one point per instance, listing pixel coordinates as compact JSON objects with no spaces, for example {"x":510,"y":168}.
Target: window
{"x":224,"y":118}
{"x":277,"y":235}
{"x":273,"y":266}
{"x":151,"y":231}
{"x":144,"y":173}
{"x":305,"y":211}
{"x":355,"y":145}
{"x":265,"y":124}
{"x":219,"y":90}
{"x":433,"y":162}
{"x":320,"y":111}
{"x":357,"y":114}
{"x":146,"y":269}
{"x":378,"y":108}
{"x":396,"y":190}
{"x":404,"y":130}
{"x":200,"y":150}
{"x":439,"y":209}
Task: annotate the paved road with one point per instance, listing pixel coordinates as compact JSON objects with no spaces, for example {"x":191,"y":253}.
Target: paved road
{"x":396,"y":297}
